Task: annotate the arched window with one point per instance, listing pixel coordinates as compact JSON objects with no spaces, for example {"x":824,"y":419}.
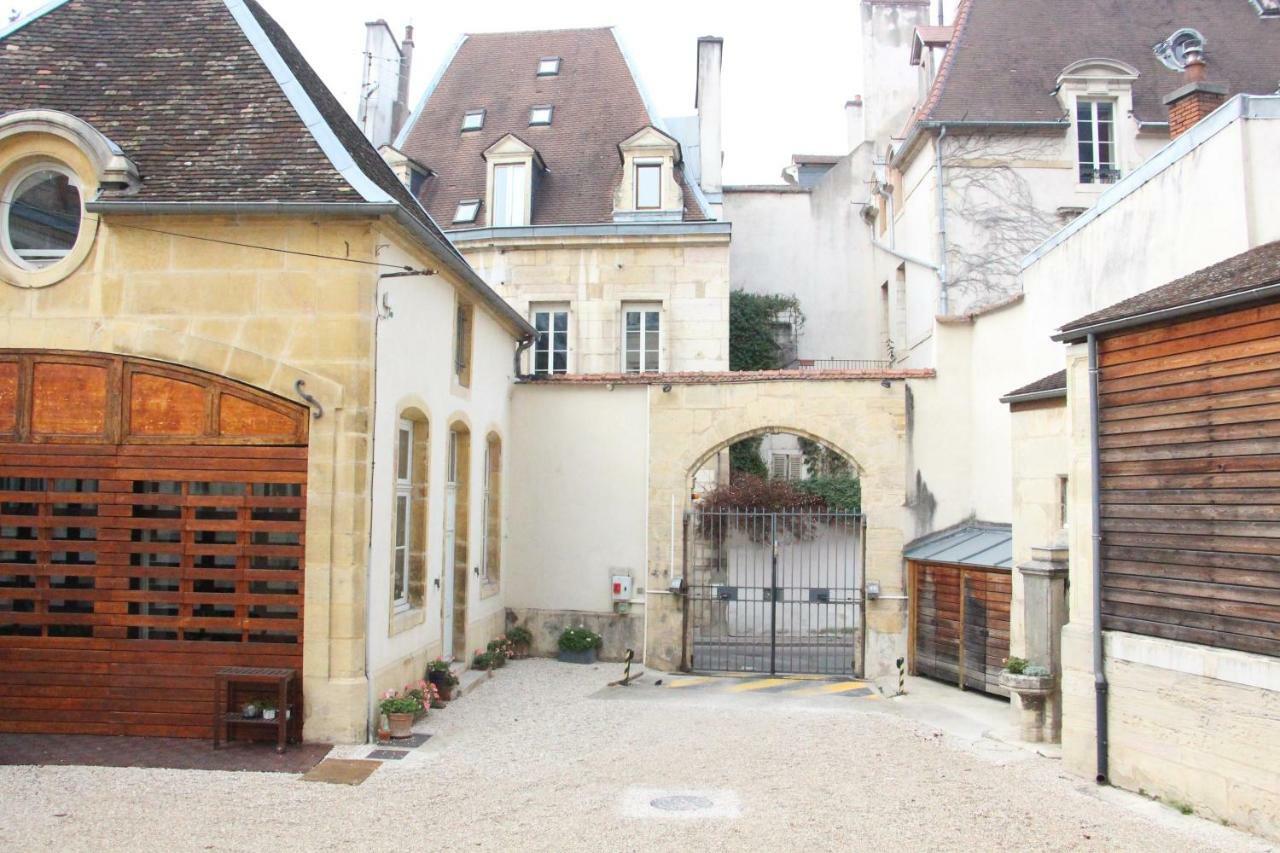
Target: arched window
{"x":492,"y":555}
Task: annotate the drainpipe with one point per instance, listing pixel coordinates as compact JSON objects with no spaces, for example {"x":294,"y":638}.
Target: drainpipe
{"x":942,"y":227}
{"x":1099,"y":674}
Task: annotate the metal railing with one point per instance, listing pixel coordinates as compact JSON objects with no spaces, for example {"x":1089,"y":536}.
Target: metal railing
{"x":842,"y":364}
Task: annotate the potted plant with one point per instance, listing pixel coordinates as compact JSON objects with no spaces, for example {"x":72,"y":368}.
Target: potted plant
{"x":482,"y":660}
{"x":579,"y":645}
{"x":426,"y":694}
{"x":249,"y":710}
{"x":521,"y":640}
{"x":401,"y":708}
{"x":268,"y":709}
{"x":499,"y":650}
{"x":1033,"y":685}
{"x":442,"y":678}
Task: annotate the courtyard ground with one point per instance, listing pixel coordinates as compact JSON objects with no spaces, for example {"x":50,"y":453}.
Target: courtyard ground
{"x":544,"y":756}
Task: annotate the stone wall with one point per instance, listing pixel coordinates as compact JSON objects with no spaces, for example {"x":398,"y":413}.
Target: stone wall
{"x":594,"y":276}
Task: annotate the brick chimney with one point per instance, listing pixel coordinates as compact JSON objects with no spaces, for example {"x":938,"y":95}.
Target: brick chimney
{"x":1190,"y":103}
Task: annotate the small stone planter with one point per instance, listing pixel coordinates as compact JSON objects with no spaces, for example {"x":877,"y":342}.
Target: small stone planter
{"x":589,"y":656}
{"x":1034,"y":693}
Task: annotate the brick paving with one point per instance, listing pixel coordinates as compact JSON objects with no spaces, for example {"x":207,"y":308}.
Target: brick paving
{"x":167,"y":753}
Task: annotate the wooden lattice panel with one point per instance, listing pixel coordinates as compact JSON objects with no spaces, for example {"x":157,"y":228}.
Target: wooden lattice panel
{"x":130,"y":572}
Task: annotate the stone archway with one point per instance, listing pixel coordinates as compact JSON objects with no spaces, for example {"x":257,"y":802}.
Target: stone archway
{"x":864,"y":419}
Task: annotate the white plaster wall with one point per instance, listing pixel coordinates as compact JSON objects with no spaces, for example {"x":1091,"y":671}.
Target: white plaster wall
{"x":891,"y":85}
{"x":579,"y":465}
{"x":415,"y":365}
{"x":813,"y":245}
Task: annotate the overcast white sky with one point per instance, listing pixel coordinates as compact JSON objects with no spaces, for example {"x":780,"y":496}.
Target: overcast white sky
{"x":788,"y":67}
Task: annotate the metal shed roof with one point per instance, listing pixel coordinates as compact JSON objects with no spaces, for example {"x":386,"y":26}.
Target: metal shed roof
{"x":988,"y":545}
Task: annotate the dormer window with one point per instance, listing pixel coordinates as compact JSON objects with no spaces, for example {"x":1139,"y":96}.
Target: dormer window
{"x":472,"y":120}
{"x":539,"y":115}
{"x":467,"y":210}
{"x":648,"y":185}
{"x":510,"y":199}
{"x":548,"y":66}
{"x":1095,"y":141}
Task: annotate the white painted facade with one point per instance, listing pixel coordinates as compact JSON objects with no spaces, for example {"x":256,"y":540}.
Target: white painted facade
{"x":414,"y":370}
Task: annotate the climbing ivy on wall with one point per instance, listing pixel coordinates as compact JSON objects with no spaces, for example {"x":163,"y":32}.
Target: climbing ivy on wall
{"x":752,"y":317}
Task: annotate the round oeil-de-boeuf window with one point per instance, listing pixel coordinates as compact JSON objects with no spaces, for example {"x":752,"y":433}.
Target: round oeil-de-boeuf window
{"x":41,"y":217}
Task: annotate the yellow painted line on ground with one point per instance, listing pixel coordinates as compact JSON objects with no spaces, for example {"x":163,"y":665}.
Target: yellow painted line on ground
{"x":688,"y":682}
{"x":829,"y":689}
{"x":761,"y":684}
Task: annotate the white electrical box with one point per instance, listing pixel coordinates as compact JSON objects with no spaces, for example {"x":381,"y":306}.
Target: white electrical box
{"x":621,"y":589}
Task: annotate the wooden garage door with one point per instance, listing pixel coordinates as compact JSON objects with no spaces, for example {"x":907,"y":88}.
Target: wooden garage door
{"x":960,"y":624}
{"x":151,"y":530}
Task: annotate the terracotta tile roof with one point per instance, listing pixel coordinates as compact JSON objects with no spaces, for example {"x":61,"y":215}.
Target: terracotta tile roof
{"x":1255,"y":268}
{"x":179,"y":86}
{"x":1046,"y":386}
{"x":597,"y":103}
{"x":726,"y":377}
{"x":1003,"y":65}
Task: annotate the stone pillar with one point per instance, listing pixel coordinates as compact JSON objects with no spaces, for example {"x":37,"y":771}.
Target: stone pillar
{"x":1038,"y":713}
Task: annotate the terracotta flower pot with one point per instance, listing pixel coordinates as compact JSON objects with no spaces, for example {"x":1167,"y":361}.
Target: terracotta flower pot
{"x":401,"y":725}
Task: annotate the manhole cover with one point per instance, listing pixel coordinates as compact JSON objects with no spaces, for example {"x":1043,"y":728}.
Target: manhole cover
{"x":681,"y":803}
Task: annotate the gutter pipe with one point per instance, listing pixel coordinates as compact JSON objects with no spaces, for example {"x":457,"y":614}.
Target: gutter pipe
{"x":1100,"y":686}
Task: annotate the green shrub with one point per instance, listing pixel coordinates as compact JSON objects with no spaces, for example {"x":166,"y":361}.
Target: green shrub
{"x":579,"y":640}
{"x":1015,"y":666}
{"x":520,"y":636}
{"x":483,"y":660}
{"x":837,"y":491}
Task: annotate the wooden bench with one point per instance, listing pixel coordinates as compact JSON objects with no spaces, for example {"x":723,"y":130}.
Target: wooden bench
{"x":288,"y":691}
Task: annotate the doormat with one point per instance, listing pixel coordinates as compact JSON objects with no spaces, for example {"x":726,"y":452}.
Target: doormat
{"x":411,"y":742}
{"x":388,"y":754}
{"x":341,"y":771}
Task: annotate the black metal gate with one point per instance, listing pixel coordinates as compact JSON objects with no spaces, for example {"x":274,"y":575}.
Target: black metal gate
{"x":774,"y":592}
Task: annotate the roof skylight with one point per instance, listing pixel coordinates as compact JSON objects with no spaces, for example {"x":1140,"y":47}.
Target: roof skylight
{"x":467,"y":210}
{"x":473,"y":120}
{"x":548,"y":66}
{"x":540,"y":115}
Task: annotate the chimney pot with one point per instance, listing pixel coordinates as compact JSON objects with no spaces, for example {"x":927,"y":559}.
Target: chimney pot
{"x":1192,"y":102}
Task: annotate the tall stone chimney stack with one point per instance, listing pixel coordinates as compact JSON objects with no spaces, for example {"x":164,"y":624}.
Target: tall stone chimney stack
{"x":857,"y":127}
{"x":384,"y":87}
{"x":707,"y":100}
{"x":1190,"y":103}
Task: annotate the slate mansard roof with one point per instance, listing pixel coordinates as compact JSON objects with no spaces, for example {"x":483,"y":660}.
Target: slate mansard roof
{"x":1249,"y":276}
{"x":1006,"y":55}
{"x":597,"y":105}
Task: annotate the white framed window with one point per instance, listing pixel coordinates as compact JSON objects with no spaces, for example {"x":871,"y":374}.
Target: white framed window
{"x":1096,"y":141}
{"x":540,"y":115}
{"x":548,"y":66}
{"x":551,"y":348}
{"x":510,"y":195}
{"x":40,"y":216}
{"x":403,"y":510}
{"x":472,"y":120}
{"x":641,"y":338}
{"x":467,"y":210}
{"x":648,"y":186}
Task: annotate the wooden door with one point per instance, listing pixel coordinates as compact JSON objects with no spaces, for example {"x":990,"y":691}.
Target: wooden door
{"x":151,"y":530}
{"x":960,"y":624}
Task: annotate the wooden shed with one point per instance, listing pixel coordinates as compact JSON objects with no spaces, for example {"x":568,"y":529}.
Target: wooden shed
{"x":961,"y":589}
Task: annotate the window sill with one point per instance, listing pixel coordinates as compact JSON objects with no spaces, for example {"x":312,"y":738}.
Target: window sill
{"x":489,"y":588}
{"x":403,"y":620}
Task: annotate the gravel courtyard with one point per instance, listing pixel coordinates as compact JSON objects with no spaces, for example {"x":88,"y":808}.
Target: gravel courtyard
{"x":544,"y":757}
